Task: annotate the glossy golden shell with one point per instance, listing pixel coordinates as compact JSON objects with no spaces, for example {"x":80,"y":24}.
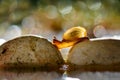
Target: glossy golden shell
{"x":75,"y":33}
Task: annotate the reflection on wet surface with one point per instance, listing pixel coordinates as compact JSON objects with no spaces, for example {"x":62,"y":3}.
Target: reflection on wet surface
{"x":37,"y":75}
{"x":54,"y":75}
{"x":96,"y":75}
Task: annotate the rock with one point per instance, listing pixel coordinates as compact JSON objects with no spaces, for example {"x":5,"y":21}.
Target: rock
{"x":96,"y":52}
{"x":30,"y":51}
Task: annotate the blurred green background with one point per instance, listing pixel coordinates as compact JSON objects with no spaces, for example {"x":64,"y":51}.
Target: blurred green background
{"x":52,"y":17}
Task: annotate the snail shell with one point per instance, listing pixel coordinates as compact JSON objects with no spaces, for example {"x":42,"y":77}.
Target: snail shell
{"x":75,"y":33}
{"x":71,"y":37}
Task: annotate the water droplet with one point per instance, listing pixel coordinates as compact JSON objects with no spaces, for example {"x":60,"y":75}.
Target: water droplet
{"x":12,"y":32}
{"x":51,"y":11}
{"x":65,"y":8}
{"x":100,"y":31}
{"x":94,"y":5}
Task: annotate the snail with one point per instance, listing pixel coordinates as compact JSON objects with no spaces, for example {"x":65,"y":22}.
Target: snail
{"x":71,"y":37}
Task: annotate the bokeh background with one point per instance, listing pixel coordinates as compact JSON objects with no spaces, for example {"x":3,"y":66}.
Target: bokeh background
{"x":50,"y":18}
